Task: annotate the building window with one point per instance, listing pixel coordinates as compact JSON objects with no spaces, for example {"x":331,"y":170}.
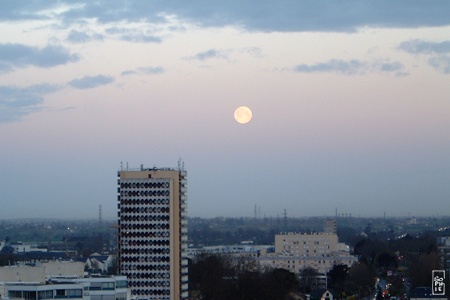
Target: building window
{"x":108,"y":286}
{"x":60,"y":294}
{"x":78,"y":293}
{"x":45,"y":295}
{"x":122,"y":284}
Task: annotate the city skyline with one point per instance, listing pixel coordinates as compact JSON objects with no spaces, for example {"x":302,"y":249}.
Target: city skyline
{"x":350,"y":105}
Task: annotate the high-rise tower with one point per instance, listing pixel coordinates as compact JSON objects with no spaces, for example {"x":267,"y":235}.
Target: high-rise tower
{"x":153,"y":232}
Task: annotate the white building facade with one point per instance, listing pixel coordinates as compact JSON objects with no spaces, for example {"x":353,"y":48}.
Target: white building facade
{"x":298,"y":251}
{"x":73,"y":288}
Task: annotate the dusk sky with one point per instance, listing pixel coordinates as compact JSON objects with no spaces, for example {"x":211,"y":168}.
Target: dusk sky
{"x":350,"y":102}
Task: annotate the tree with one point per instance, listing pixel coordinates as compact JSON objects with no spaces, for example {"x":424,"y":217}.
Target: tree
{"x":361,"y":279}
{"x":308,"y":279}
{"x":386,"y":261}
{"x":421,"y":270}
{"x":368,"y":249}
{"x":225,"y":277}
{"x":279,"y":284}
{"x":338,"y":275}
{"x":7,"y":259}
{"x":211,"y":277}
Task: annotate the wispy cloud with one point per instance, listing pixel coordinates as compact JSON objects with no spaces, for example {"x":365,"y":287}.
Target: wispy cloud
{"x":425,"y":47}
{"x":440,"y":63}
{"x":89,"y":82}
{"x":137,"y":38}
{"x":437,"y":53}
{"x":144,"y":70}
{"x":225,"y":54}
{"x":252,"y":51}
{"x":133,"y":35}
{"x":334,"y":66}
{"x":16,"y":102}
{"x":353,"y":67}
{"x":76,"y":36}
{"x":19,"y":56}
{"x":211,"y":54}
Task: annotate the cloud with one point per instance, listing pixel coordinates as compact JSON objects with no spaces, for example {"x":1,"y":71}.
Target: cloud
{"x":136,"y":38}
{"x":225,"y":53}
{"x":76,"y":36}
{"x":89,"y":82}
{"x":424,"y":47}
{"x":211,"y":54}
{"x":438,"y":53}
{"x":266,"y":15}
{"x":397,"y":68}
{"x":352,"y":67}
{"x":144,"y":70}
{"x":252,"y":51}
{"x":440,"y":63}
{"x":30,"y":10}
{"x":16,"y":102}
{"x":19,"y":56}
{"x":134,"y":35}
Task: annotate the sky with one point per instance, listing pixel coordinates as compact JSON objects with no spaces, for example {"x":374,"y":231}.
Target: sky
{"x":350,"y":103}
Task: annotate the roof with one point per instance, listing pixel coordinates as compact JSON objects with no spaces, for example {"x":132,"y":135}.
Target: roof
{"x":42,"y":255}
{"x":318,"y":293}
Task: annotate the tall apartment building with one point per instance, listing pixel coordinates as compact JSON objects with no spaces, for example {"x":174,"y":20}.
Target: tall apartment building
{"x":153,"y":232}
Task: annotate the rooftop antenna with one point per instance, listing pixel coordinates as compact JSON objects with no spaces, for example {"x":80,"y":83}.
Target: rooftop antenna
{"x":180,"y":164}
{"x":285,"y":220}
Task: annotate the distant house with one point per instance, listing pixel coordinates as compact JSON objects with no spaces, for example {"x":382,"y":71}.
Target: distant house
{"x":321,"y":294}
{"x":99,"y":262}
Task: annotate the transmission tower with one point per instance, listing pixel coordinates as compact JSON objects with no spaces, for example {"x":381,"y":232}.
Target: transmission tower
{"x":100,"y":220}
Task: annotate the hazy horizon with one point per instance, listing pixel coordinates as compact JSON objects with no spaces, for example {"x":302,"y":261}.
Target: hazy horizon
{"x":350,"y":105}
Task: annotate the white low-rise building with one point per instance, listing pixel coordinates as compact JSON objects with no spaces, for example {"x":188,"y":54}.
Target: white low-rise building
{"x":60,"y":280}
{"x":298,"y":251}
{"x":91,"y":288}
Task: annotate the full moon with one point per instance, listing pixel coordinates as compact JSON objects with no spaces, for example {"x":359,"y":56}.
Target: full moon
{"x":243,"y":114}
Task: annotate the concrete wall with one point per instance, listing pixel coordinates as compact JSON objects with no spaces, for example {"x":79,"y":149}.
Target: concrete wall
{"x":22,"y":274}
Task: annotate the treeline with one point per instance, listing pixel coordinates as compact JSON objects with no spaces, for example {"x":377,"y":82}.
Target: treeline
{"x":213,"y":276}
{"x":401,"y":265}
{"x":222,"y":277}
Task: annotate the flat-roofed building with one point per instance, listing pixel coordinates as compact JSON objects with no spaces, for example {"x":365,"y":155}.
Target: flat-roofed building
{"x":72,"y":287}
{"x":153,"y":232}
{"x":298,"y":251}
{"x":39,"y":291}
{"x":299,"y":244}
